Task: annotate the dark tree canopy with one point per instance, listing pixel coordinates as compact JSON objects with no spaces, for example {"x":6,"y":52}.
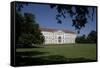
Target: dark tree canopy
{"x":20,"y":5}
{"x":81,"y":39}
{"x":90,"y":38}
{"x":27,"y":29}
{"x":79,"y":14}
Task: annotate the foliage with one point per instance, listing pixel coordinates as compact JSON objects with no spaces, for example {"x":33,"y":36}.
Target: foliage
{"x":81,"y":39}
{"x":27,"y":30}
{"x":91,"y":38}
{"x":79,"y":14}
{"x":20,"y":5}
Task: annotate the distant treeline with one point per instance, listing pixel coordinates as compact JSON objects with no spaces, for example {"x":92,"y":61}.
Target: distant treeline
{"x":90,"y":38}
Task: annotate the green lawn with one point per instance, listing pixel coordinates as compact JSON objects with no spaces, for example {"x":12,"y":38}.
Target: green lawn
{"x":87,"y":51}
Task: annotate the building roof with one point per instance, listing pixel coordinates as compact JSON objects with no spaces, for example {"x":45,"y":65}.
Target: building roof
{"x":53,"y":30}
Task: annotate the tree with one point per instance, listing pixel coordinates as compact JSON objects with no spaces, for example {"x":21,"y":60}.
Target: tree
{"x":92,"y":37}
{"x":79,"y":14}
{"x":19,"y":25}
{"x":81,"y":39}
{"x":27,"y":30}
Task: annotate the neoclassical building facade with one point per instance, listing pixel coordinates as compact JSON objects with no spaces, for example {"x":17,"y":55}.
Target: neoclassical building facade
{"x":56,"y":36}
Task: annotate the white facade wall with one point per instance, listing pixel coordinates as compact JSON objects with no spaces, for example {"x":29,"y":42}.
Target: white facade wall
{"x":58,"y":37}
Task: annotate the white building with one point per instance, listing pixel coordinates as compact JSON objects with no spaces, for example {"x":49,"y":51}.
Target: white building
{"x":55,"y":36}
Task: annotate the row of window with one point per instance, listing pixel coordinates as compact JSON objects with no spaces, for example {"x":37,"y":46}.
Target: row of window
{"x":48,"y":37}
{"x":59,"y":41}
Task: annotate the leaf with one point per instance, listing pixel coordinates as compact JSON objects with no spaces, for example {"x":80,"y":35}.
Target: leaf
{"x":59,"y":21}
{"x":52,"y":6}
{"x":74,"y":22}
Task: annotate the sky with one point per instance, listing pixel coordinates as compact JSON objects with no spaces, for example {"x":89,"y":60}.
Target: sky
{"x":46,"y":17}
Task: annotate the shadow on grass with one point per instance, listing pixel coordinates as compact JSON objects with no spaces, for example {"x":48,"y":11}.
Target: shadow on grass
{"x":28,"y":46}
{"x":30,"y":53}
{"x":45,"y":60}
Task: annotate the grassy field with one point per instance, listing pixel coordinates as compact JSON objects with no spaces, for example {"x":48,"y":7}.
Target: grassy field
{"x":60,"y":52}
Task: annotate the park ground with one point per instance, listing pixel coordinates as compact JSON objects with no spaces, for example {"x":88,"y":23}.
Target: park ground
{"x":55,"y":54}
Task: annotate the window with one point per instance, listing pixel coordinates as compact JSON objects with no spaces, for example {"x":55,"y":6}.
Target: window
{"x":59,"y":39}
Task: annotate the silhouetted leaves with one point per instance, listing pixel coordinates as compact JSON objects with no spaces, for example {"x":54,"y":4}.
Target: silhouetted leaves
{"x":79,"y":14}
{"x":20,"y":5}
{"x":52,"y":6}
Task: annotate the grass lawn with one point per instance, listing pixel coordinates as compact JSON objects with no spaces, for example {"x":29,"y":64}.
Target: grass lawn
{"x":61,"y":51}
